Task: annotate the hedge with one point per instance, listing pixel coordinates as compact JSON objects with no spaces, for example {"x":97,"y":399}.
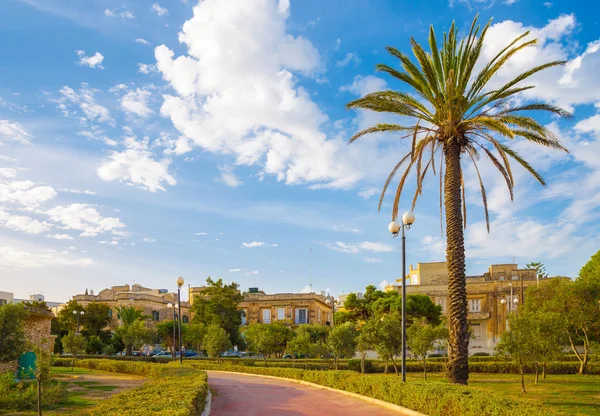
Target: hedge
{"x":172,"y":389}
{"x":431,"y":398}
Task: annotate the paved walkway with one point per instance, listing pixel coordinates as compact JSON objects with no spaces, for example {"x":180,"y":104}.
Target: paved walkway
{"x":246,"y":395}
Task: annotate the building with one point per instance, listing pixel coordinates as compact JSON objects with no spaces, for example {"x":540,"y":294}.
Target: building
{"x":9,"y":297}
{"x":289,"y":308}
{"x":153,"y":302}
{"x":488,"y":313}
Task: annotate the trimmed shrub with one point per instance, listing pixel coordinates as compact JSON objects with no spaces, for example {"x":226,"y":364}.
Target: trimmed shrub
{"x":23,"y":395}
{"x":431,"y":398}
{"x":481,"y":354}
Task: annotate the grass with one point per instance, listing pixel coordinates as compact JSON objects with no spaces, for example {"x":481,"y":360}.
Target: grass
{"x":572,"y":394}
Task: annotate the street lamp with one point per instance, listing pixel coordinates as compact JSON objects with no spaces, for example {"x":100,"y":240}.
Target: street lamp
{"x":78,"y":313}
{"x":171,"y":306}
{"x":179,"y":281}
{"x":331,"y":302}
{"x":408,"y":218}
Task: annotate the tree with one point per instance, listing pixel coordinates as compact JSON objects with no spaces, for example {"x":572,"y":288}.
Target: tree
{"x":421,"y":338}
{"x":129,"y":316}
{"x":195,"y":336}
{"x":388,"y":336}
{"x":73,"y":343}
{"x":66,"y":319}
{"x":268,"y":339}
{"x":518,"y":342}
{"x":164,"y":330}
{"x":342,"y":342}
{"x":299,"y":346}
{"x":216,"y":341}
{"x":135,"y":335}
{"x":539,"y":267}
{"x":457,"y":115}
{"x":218,"y":305}
{"x":549,"y":339}
{"x":94,"y":345}
{"x":12,"y":335}
{"x":96,"y":318}
{"x":36,"y":304}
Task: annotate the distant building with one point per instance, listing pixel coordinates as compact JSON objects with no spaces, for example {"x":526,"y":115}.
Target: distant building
{"x":8,"y":297}
{"x":342,"y":298}
{"x":487,"y":314}
{"x":289,"y":308}
{"x":153,"y":302}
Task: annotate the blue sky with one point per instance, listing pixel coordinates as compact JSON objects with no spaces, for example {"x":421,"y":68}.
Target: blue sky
{"x":140,"y":141}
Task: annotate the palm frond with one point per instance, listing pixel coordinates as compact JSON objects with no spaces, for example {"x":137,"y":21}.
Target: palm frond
{"x":380,"y":128}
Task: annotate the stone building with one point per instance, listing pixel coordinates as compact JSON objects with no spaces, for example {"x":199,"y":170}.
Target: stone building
{"x":289,"y":308}
{"x":153,"y":302}
{"x":487,"y":315}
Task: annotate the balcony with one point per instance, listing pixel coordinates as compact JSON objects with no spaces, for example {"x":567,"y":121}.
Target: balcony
{"x":478,"y":315}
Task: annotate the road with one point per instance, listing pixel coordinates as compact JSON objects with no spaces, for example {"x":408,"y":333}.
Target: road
{"x":246,"y":395}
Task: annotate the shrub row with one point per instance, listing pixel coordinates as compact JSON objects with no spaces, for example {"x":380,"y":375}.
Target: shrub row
{"x":172,"y":389}
{"x":431,"y":398}
{"x":23,"y":395}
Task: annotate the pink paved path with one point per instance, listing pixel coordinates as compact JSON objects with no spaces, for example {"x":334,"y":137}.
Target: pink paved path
{"x":246,"y":395}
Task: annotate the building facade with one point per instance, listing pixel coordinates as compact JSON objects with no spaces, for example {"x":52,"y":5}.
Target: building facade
{"x":288,"y":308}
{"x":491,"y":296}
{"x":153,"y":302}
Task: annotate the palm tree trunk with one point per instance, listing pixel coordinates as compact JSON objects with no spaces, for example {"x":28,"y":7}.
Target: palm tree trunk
{"x":458,"y":364}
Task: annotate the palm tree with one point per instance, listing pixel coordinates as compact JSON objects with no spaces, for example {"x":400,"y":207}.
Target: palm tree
{"x":456,"y":117}
{"x":130,"y":314}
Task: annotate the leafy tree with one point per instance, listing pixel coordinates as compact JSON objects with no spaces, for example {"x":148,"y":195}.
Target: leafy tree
{"x":421,"y":338}
{"x":268,"y":339}
{"x":130,"y":314}
{"x":73,"y":343}
{"x":12,"y":335}
{"x":164,"y":330}
{"x":135,"y":335}
{"x":42,"y":369}
{"x":37,"y":304}
{"x":194,"y":335}
{"x":318,"y":339}
{"x":457,"y":116}
{"x":549,"y":339}
{"x":299,"y":346}
{"x":342,"y":342}
{"x":94,"y":345}
{"x":388,"y":335}
{"x":591,"y":270}
{"x":218,"y":305}
{"x":66,"y":319}
{"x":518,"y":343}
{"x":96,"y":318}
{"x":539,"y":267}
{"x":417,"y":307}
{"x":216,"y":341}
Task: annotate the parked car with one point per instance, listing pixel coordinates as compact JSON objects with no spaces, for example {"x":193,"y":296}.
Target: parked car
{"x":190,"y":353}
{"x":163,"y":354}
{"x":231,"y":354}
{"x":153,"y":353}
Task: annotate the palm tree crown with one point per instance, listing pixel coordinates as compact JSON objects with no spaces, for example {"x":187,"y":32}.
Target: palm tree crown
{"x":457,"y":116}
{"x":130,"y":314}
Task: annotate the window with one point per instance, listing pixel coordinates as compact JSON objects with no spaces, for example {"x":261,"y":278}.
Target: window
{"x":319,"y":316}
{"x":184,"y":319}
{"x":441,"y":302}
{"x":155,"y":316}
{"x":515,"y":277}
{"x":280,"y":314}
{"x":266,"y":316}
{"x":243,"y":314}
{"x":474,"y":305}
{"x":301,"y":317}
{"x":110,"y":313}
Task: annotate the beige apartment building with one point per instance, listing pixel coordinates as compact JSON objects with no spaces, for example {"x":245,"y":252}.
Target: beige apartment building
{"x":154,"y":302}
{"x":489,"y":296}
{"x":288,"y":308}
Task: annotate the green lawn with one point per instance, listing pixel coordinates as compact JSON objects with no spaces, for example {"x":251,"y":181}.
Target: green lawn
{"x":572,"y":394}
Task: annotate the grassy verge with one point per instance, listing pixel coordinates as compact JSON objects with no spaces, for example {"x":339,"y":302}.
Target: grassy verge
{"x":433,"y":398}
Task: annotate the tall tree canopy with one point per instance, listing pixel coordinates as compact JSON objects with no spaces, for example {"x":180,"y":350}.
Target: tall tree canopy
{"x":218,"y":305}
{"x":453,"y":117}
{"x":12,"y":335}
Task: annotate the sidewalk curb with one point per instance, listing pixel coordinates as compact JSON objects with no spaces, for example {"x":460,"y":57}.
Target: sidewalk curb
{"x":207,"y":404}
{"x":405,"y":411}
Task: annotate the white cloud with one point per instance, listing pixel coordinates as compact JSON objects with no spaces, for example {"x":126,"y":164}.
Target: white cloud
{"x":12,"y":106}
{"x":360,"y":247}
{"x":91,"y":61}
{"x":253,"y":272}
{"x":25,"y":193}
{"x":372,"y":260}
{"x":307,"y":289}
{"x":159,"y":10}
{"x":253,"y":244}
{"x":346,"y":229}
{"x":365,"y":85}
{"x":83,"y":99}
{"x":200,"y":233}
{"x":228,"y":177}
{"x":368,"y":193}
{"x":60,"y":237}
{"x":142,"y":41}
{"x":22,"y":223}
{"x":350,"y":57}
{"x":122,"y":13}
{"x":8,"y":173}
{"x":78,"y":191}
{"x":235,"y":270}
{"x":246,"y":103}
{"x":137,"y":167}
{"x":148,"y":240}
{"x":13,"y":131}
{"x":11,"y":258}
{"x":136,"y":102}
{"x":548,"y":4}
{"x":383,"y":284}
{"x":109,"y":242}
{"x":84,"y":218}
{"x":146,"y":68}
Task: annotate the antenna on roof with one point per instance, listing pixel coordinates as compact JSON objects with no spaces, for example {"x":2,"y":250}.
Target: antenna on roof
{"x":514,"y":260}
{"x":310,"y":265}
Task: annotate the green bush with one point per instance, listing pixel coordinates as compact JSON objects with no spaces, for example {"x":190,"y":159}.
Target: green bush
{"x":23,"y":395}
{"x":481,"y":354}
{"x":431,"y":398}
{"x":354,"y":365}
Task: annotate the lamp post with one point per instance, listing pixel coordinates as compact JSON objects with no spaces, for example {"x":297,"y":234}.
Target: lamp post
{"x":171,"y":306}
{"x":408,"y":218}
{"x":331,"y":301}
{"x":78,"y":313}
{"x":179,"y":281}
